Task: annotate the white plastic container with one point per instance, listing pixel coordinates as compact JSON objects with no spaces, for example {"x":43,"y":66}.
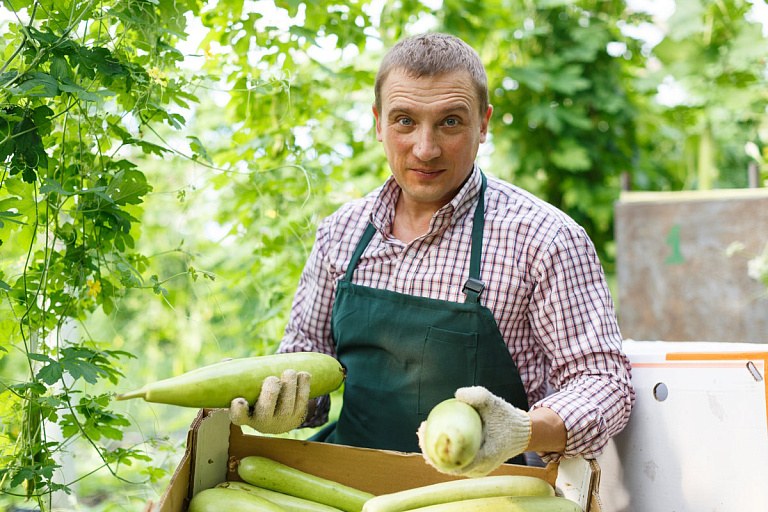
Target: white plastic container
{"x":697,"y":439}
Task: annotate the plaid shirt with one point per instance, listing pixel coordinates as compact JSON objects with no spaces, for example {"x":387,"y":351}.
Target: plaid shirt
{"x":544,"y":285}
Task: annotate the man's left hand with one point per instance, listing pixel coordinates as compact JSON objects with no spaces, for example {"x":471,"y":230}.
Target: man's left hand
{"x":506,"y":432}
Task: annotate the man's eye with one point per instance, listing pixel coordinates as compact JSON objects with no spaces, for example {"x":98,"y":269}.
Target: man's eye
{"x":451,"y":121}
{"x":405,"y":121}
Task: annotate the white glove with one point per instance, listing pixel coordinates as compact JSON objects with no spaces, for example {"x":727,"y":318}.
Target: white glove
{"x":281,"y":406}
{"x":506,"y":432}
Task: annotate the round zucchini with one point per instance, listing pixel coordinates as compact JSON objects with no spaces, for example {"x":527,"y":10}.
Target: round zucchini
{"x":452,"y":434}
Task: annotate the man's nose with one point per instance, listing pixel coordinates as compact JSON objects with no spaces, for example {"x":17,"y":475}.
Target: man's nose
{"x":427,"y":146}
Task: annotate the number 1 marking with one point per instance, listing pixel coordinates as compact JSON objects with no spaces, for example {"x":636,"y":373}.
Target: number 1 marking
{"x":673,"y":239}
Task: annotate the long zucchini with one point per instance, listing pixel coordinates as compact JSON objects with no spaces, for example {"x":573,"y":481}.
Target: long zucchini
{"x":506,"y":504}
{"x":452,"y":434}
{"x":292,"y":503}
{"x":464,"y":489}
{"x":218,"y":384}
{"x":273,"y":475}
{"x":217,"y":500}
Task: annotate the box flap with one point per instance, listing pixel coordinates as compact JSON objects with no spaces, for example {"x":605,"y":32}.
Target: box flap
{"x":211,"y":450}
{"x":578,"y":480}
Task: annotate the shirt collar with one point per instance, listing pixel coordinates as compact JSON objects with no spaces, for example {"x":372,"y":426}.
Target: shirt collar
{"x":383,"y":211}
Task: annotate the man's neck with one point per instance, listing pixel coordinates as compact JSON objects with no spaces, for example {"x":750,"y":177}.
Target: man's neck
{"x":411,"y":220}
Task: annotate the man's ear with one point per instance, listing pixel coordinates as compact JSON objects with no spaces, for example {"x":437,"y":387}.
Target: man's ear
{"x":484,"y":123}
{"x":378,"y":122}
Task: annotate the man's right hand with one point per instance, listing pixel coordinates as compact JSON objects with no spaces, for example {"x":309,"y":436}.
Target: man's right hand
{"x":281,"y":406}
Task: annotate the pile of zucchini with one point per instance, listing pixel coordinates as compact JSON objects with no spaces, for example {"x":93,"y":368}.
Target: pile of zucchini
{"x":452,"y":436}
{"x":274,"y":487}
{"x":270,"y":486}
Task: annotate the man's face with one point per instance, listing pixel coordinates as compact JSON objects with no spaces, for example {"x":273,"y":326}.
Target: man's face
{"x":431,"y":128}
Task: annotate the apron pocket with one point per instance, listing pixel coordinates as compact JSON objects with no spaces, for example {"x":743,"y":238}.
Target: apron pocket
{"x":448,"y":363}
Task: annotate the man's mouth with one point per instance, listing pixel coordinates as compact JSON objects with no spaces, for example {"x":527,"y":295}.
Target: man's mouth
{"x":427,"y":172}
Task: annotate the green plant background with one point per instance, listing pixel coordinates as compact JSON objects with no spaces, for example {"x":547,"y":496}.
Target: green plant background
{"x":165,"y":165}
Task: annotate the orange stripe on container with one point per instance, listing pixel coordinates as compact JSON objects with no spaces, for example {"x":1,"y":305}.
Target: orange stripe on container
{"x":681,"y":364}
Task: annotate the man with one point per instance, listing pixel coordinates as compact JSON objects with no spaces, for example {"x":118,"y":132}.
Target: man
{"x":446,"y":281}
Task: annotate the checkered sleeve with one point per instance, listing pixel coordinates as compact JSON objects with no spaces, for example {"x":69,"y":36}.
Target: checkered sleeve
{"x":309,"y":323}
{"x":575,"y":323}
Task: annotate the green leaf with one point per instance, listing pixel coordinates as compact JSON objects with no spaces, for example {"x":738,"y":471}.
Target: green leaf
{"x":570,"y":80}
{"x":100,"y":60}
{"x":128,"y":187}
{"x":198,"y":150}
{"x":156,"y":287}
{"x":111,"y":432}
{"x":50,"y":185}
{"x":9,"y":216}
{"x":41,"y":116}
{"x":51,"y":373}
{"x":46,"y":38}
{"x":531,"y":77}
{"x":22,"y":475}
{"x":546,"y":115}
{"x":82,"y":369}
{"x":32,"y":386}
{"x":130,"y":19}
{"x":67,"y":85}
{"x":129,"y":276}
{"x":148,"y":147}
{"x":8,"y":77}
{"x":28,"y":150}
{"x":575,"y":119}
{"x":169,"y":51}
{"x":59,"y":68}
{"x":571,"y":156}
{"x":38,"y":84}
{"x":29,"y":175}
{"x":39,"y":357}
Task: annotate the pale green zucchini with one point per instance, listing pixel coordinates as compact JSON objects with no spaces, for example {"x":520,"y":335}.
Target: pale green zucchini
{"x":464,"y":489}
{"x":230,"y":500}
{"x":452,"y":434}
{"x":216,"y":385}
{"x":506,"y":504}
{"x":292,"y":503}
{"x":272,"y":475}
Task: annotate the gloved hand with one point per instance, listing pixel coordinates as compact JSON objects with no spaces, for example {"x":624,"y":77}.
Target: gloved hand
{"x":281,"y":406}
{"x":506,"y":432}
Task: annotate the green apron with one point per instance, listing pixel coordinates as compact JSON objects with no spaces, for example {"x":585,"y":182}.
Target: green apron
{"x":404,"y":354}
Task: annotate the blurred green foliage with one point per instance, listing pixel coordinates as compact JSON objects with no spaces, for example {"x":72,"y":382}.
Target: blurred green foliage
{"x":166,"y":163}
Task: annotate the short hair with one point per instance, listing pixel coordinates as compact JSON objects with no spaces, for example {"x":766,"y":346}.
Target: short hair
{"x":431,"y":55}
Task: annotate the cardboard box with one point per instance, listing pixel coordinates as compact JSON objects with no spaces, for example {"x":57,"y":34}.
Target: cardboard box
{"x":697,"y":438}
{"x":214,"y":445}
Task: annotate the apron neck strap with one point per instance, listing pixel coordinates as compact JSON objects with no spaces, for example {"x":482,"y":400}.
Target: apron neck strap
{"x":361,"y":245}
{"x":473,"y":287}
